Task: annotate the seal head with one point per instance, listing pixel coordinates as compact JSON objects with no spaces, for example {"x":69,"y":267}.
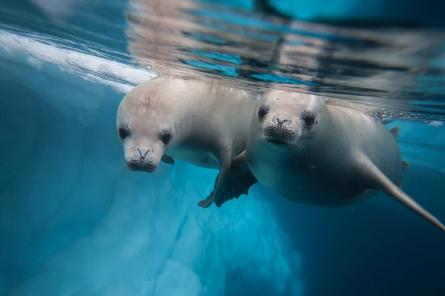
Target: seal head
{"x":288,"y":119}
{"x":146,"y":129}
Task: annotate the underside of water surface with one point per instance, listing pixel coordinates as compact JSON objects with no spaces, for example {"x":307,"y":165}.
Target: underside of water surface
{"x":75,"y":221}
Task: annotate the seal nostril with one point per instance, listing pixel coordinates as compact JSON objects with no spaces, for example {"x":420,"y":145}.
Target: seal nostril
{"x":143,"y":155}
{"x":281,"y":122}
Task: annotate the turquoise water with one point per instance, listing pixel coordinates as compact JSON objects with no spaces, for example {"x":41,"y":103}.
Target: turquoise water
{"x":75,"y":221}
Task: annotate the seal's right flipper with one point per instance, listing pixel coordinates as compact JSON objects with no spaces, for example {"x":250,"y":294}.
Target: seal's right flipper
{"x":236,"y":183}
{"x":368,"y":168}
{"x":224,"y":169}
{"x":234,"y":179}
{"x":207,"y":202}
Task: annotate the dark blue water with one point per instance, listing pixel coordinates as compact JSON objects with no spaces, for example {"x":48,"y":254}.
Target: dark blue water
{"x":75,"y":221}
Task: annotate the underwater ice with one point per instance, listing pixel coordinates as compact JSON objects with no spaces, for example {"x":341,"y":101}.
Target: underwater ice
{"x":75,"y":221}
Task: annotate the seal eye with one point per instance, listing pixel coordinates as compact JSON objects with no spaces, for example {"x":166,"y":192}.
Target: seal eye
{"x":308,"y":119}
{"x":262,"y":111}
{"x":166,"y":137}
{"x":123,"y":133}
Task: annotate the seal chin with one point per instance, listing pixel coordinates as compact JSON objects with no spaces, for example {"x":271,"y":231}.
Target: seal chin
{"x":280,"y":139}
{"x":278,"y":142}
{"x":142,"y":166}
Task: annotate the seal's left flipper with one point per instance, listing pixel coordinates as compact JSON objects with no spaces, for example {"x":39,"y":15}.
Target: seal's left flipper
{"x":379,"y":180}
{"x":168,"y":159}
{"x":236,"y":183}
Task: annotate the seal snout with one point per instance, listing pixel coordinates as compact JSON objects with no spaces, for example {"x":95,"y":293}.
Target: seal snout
{"x":142,"y":161}
{"x":143,"y":154}
{"x":279,"y":131}
{"x":280,"y":122}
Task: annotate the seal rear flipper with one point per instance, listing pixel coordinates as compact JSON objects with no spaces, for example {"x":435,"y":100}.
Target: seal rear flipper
{"x":368,"y":168}
{"x":236,"y":183}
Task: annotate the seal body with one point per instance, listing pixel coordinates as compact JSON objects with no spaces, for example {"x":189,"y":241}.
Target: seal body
{"x":313,"y":152}
{"x":197,"y":121}
{"x":322,"y":171}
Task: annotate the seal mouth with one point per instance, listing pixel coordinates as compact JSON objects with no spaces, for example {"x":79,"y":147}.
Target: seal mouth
{"x":142,"y":166}
{"x":279,"y":139}
{"x":279,"y":136}
{"x":277,"y":142}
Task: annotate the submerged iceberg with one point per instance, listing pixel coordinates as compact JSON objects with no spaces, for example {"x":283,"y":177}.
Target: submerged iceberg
{"x":74,"y":220}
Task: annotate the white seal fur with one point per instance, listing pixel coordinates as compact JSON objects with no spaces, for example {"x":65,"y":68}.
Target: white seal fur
{"x":310,"y":151}
{"x":198,"y":121}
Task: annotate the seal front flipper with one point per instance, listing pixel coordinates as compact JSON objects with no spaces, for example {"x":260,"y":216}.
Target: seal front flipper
{"x":236,"y":183}
{"x":234,"y":180}
{"x":395,"y":131}
{"x":207,"y":202}
{"x":168,"y":159}
{"x":225,"y":162}
{"x":240,"y":158}
{"x":379,"y":180}
{"x":217,"y":189}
